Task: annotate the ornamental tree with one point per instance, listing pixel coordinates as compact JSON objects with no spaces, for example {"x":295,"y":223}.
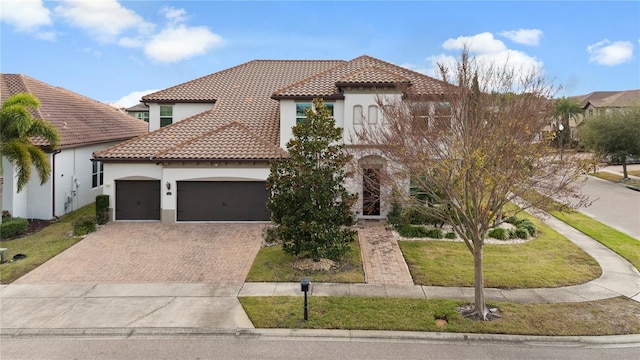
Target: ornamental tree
{"x":309,"y":204}
{"x":473,"y":150}
{"x":614,"y":134}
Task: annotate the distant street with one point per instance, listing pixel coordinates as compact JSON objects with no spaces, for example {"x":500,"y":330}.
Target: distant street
{"x":229,"y":348}
{"x":614,"y":205}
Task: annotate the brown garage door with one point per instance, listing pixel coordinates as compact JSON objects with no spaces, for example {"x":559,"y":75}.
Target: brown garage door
{"x":222,"y":201}
{"x":137,"y":199}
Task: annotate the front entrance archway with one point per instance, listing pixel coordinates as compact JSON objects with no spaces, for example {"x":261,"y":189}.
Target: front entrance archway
{"x":372,"y":168}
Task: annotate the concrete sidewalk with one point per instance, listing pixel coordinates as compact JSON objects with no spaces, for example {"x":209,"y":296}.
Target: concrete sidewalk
{"x":56,"y":307}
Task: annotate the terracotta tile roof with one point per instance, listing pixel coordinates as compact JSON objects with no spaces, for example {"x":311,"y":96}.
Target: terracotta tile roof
{"x":79,"y":119}
{"x":235,"y":141}
{"x":241,"y":94}
{"x":244,"y":122}
{"x":610,"y":98}
{"x":366,"y":70}
{"x":138,"y":107}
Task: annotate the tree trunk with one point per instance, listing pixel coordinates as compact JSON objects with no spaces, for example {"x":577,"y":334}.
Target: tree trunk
{"x":625,"y":175}
{"x":480,"y":307}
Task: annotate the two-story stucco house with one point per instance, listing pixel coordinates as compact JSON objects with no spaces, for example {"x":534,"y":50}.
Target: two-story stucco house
{"x":85,"y":126}
{"x":207,"y":155}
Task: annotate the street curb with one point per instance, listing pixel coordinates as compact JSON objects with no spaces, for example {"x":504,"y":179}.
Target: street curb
{"x":631,"y":340}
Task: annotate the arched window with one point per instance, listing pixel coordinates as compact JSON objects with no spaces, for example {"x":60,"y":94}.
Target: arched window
{"x":357,"y":115}
{"x":373,"y":114}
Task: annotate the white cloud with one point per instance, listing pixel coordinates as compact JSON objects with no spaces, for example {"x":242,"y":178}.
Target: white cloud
{"x":529,"y":37}
{"x":483,"y":43}
{"x":175,"y":16}
{"x":133,"y":98}
{"x":179,"y":43}
{"x":607,"y":53}
{"x":25,"y":15}
{"x":487,"y":51}
{"x":105,"y":19}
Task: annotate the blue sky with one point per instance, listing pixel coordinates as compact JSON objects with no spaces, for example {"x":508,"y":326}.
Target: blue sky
{"x":117,"y":51}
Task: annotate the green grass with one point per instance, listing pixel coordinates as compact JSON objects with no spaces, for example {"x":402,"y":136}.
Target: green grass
{"x":550,"y":260}
{"x":606,"y":317}
{"x":41,"y":246}
{"x":273,"y":265}
{"x":616,"y":178}
{"x":620,"y":243}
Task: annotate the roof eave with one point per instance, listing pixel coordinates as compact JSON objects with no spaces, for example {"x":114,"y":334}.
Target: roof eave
{"x":307,"y":97}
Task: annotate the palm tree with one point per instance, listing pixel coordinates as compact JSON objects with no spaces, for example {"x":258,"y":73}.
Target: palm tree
{"x":565,"y":109}
{"x":18,"y":128}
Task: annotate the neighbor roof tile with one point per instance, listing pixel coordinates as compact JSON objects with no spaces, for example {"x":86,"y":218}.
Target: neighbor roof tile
{"x":79,"y":119}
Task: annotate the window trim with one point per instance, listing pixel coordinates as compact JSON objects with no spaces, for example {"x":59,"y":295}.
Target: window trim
{"x":166,"y":118}
{"x":300,"y":118}
{"x":97,"y":174}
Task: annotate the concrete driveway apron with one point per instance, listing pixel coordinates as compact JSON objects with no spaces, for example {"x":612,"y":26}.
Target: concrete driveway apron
{"x":138,"y":275}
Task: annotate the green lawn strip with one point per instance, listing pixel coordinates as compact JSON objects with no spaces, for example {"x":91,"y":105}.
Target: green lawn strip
{"x":550,"y":260}
{"x":273,"y":265}
{"x":615,"y":316}
{"x":620,"y":243}
{"x":41,"y":246}
{"x":615,"y":178}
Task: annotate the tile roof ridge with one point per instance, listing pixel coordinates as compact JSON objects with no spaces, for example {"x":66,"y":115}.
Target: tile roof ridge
{"x":312,"y":77}
{"x":369,"y":67}
{"x":25,"y":88}
{"x":223,"y":71}
{"x":413,"y":72}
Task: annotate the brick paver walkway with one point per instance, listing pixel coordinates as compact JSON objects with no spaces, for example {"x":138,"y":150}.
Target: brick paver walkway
{"x":382,"y":259}
{"x":133,"y":252}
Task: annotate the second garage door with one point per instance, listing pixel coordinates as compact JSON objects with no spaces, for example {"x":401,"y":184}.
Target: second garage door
{"x":222,"y":201}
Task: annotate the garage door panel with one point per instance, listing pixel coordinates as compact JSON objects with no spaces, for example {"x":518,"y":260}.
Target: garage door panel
{"x":222,"y":201}
{"x":137,"y":200}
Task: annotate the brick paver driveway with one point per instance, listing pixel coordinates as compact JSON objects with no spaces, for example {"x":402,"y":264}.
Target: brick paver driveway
{"x":131,"y":252}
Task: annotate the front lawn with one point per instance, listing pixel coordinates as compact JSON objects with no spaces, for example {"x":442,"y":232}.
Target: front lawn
{"x":41,"y":246}
{"x":620,"y":243}
{"x":273,"y":265}
{"x":550,"y":260}
{"x":615,"y":316}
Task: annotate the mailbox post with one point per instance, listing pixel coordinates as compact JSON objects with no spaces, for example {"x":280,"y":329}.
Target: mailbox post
{"x":304,"y":285}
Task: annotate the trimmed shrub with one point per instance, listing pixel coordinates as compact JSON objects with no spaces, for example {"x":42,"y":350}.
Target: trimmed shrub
{"x":102,"y":209}
{"x":499,"y":233}
{"x":435,"y":234}
{"x":451,"y":235}
{"x":394,"y":216}
{"x":84,"y":225}
{"x":413,"y":215}
{"x":407,"y":230}
{"x":521,"y":233}
{"x":13,"y":227}
{"x":528,"y":226}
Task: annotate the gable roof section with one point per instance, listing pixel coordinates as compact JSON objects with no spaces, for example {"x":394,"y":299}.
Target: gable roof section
{"x":240,"y":94}
{"x":79,"y":119}
{"x":244,"y":121}
{"x":361,"y":70}
{"x":610,"y":98}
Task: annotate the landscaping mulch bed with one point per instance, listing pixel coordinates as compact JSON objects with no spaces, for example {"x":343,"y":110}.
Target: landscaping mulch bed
{"x":35,"y":225}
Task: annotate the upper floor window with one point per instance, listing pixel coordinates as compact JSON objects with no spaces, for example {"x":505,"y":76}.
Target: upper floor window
{"x":142,"y":116}
{"x":372,"y":117}
{"x":358,"y":117}
{"x":166,"y":115}
{"x":97,"y":174}
{"x":301,"y":109}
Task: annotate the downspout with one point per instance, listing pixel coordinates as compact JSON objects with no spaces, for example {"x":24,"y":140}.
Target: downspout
{"x":53,"y":182}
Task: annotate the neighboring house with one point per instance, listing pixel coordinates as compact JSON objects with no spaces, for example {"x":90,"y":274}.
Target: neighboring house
{"x":207,"y":155}
{"x":139,"y":111}
{"x":85,"y":126}
{"x":601,"y":102}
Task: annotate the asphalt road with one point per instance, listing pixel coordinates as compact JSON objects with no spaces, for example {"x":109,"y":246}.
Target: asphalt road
{"x":614,"y":205}
{"x":300,"y":349}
